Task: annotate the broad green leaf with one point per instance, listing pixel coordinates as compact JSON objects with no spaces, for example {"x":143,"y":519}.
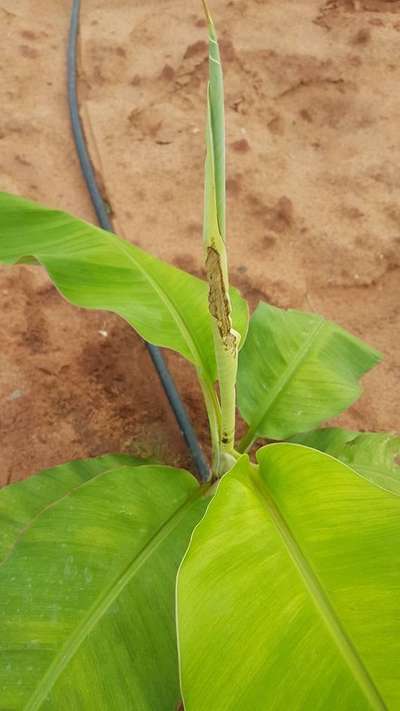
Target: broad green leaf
{"x":98,"y":270}
{"x":87,"y":588}
{"x":19,"y":504}
{"x":289,"y":593}
{"x":295,"y":371}
{"x":372,"y":454}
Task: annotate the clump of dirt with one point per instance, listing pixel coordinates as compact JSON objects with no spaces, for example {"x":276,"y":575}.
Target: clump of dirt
{"x":313,"y":196}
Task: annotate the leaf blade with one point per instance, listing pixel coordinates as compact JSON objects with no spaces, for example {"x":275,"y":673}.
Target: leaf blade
{"x":320,"y":580}
{"x":371,"y":454}
{"x":296,"y":368}
{"x":98,"y":270}
{"x":74,"y":614}
{"x":19,"y":505}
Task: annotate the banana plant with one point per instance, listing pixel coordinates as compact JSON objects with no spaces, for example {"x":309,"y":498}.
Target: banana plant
{"x":126,"y":584}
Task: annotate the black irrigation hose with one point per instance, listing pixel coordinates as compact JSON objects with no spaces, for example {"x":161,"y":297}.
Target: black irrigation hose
{"x":164,"y":375}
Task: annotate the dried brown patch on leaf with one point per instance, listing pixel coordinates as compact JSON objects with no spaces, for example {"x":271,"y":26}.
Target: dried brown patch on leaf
{"x":218,"y":301}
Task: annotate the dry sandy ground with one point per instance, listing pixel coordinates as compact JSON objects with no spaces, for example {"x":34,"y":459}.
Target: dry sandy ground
{"x":313,"y":105}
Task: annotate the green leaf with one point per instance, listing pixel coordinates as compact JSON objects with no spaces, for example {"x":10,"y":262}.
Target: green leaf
{"x":295,"y":371}
{"x":20,"y":504}
{"x":98,"y":270}
{"x":289,"y":593}
{"x":87,"y":586}
{"x":372,"y":454}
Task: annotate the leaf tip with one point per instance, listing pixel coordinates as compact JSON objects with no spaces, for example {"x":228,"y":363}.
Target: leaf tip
{"x":207,"y":13}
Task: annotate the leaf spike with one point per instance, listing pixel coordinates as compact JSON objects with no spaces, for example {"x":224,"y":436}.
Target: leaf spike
{"x":207,"y":13}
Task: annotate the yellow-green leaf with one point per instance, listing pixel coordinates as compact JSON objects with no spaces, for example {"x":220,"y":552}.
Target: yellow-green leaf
{"x":289,"y":593}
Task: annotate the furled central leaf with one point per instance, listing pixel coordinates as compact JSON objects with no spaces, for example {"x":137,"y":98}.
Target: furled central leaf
{"x":226,"y":338}
{"x":87,"y":587}
{"x":289,"y":594}
{"x":95,"y":269}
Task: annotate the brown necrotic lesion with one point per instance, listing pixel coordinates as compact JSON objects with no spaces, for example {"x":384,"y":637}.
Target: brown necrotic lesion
{"x":218,"y":300}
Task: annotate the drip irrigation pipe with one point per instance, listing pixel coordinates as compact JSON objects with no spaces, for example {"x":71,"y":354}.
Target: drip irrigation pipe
{"x":156,"y":356}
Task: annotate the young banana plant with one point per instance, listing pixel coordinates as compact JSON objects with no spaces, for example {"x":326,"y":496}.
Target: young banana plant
{"x":294,"y":558}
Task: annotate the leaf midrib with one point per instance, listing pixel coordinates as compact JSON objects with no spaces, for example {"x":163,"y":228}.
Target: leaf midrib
{"x":319,"y":598}
{"x":103,"y":603}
